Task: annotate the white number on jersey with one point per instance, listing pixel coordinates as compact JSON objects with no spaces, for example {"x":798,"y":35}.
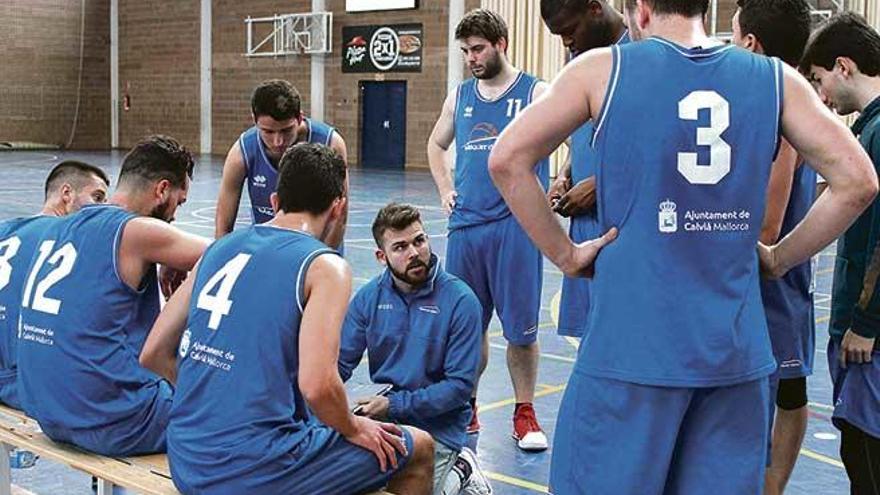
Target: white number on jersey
{"x":10,"y":249}
{"x":63,"y":260}
{"x":219,"y":304}
{"x":514,"y":106}
{"x":719,"y":150}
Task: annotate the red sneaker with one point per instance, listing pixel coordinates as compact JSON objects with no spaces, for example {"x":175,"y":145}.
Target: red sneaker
{"x":526,"y":430}
{"x":474,"y":426}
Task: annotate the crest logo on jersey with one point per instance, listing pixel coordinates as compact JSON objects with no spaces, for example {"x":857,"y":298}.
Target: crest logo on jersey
{"x":668,"y":218}
{"x":260,"y":181}
{"x":482,"y":137}
{"x":468,"y":112}
{"x":184,"y":343}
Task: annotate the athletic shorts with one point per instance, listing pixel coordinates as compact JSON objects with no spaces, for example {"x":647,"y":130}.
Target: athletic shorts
{"x":630,"y":439}
{"x":504,"y":269}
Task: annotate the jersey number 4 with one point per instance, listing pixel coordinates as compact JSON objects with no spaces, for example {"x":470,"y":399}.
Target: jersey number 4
{"x":221,"y":283}
{"x":719,"y":150}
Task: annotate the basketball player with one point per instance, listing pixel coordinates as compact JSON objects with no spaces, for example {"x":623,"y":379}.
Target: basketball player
{"x":70,"y":186}
{"x":89,"y":299}
{"x":278,"y":124}
{"x":843,"y":61}
{"x":780,"y":28}
{"x":486,"y":247}
{"x":670,"y":393}
{"x":259,"y":406}
{"x":582,"y":26}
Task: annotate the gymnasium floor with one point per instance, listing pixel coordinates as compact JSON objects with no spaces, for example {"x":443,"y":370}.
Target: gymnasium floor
{"x":819,"y":470}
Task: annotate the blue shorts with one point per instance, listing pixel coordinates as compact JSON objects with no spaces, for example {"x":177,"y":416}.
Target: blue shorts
{"x":629,"y":439}
{"x":574,"y":304}
{"x":140,"y":435}
{"x":856,"y":391}
{"x":339,"y":467}
{"x":504,"y":269}
{"x":9,"y":388}
{"x":793,"y":341}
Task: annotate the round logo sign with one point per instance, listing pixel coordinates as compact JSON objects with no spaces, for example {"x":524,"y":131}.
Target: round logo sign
{"x":384,"y":48}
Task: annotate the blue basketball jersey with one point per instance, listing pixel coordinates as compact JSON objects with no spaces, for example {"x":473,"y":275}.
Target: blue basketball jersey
{"x":788,"y":301}
{"x":685,"y":141}
{"x":478,"y":122}
{"x":82,"y":329}
{"x":237,"y":391}
{"x":18,"y":240}
{"x":262,"y":175}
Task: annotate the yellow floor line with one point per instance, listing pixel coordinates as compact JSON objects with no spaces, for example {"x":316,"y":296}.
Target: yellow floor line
{"x":821,"y":458}
{"x":510,"y":480}
{"x":545,"y":390}
{"x":547,"y":355}
{"x":822,"y":319}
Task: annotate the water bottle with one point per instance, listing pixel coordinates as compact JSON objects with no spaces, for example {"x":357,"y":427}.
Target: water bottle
{"x":22,"y":459}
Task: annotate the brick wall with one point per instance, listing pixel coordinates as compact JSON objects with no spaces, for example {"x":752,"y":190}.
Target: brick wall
{"x":159,"y":69}
{"x":235,"y":76}
{"x":41,"y":57}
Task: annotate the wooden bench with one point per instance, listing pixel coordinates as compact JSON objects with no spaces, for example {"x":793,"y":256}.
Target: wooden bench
{"x":147,"y":474}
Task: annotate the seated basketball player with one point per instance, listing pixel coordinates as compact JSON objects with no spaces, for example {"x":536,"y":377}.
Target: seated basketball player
{"x":89,"y":299}
{"x":69,"y":186}
{"x":421,"y":328}
{"x":278,"y":124}
{"x":259,"y":405}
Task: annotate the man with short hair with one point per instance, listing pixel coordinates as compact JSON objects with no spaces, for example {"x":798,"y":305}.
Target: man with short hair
{"x":486,"y":247}
{"x":89,"y":298}
{"x":278,"y":124}
{"x":421,"y":328}
{"x":583,"y":26}
{"x":670,"y":384}
{"x":843,"y":62}
{"x":286,"y":427}
{"x":780,"y":28}
{"x":70,"y":185}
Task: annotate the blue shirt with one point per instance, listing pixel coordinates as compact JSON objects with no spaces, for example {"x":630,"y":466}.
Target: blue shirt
{"x":685,"y":149}
{"x":262,"y":174}
{"x":238,"y":410}
{"x":478,"y":123}
{"x":426,"y":344}
{"x":787,"y":300}
{"x":82,"y":329}
{"x":19,"y":238}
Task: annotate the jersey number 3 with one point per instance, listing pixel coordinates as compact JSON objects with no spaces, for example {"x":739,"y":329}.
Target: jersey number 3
{"x":719,"y":150}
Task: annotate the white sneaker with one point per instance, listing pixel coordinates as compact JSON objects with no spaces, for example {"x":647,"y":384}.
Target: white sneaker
{"x":477,"y":484}
{"x":533,"y":441}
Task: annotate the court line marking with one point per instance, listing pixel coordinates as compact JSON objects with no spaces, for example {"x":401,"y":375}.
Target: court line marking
{"x":546,"y":355}
{"x":545,"y":391}
{"x":518,"y":482}
{"x":821,"y":458}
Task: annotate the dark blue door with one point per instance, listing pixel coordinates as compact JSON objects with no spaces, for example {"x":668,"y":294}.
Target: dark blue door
{"x":383,"y":124}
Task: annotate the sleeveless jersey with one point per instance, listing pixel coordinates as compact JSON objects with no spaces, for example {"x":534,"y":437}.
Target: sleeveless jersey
{"x":478,"y":122}
{"x":237,"y":389}
{"x":19,"y":238}
{"x":685,"y":141}
{"x":82,"y":328}
{"x":262,"y":175}
{"x":788,"y":300}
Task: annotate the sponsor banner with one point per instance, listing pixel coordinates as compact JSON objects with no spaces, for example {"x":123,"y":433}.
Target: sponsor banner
{"x":391,"y":48}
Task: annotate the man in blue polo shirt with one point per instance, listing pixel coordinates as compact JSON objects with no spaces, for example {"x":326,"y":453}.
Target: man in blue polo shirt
{"x":422,"y":329}
{"x":278,"y":124}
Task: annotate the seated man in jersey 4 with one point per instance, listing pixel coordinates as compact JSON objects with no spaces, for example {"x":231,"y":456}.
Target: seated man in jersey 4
{"x":278,"y":124}
{"x":780,"y":28}
{"x":89,"y":299}
{"x":671,"y":383}
{"x":421,"y":328}
{"x":259,"y":405}
{"x":69,"y":186}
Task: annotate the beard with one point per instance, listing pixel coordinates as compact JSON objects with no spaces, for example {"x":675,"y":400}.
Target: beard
{"x":491,"y":69}
{"x":160,"y":213}
{"x":413,"y":280}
